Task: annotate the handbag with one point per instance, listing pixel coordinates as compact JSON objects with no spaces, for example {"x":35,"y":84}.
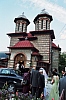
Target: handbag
{"x":25,"y":82}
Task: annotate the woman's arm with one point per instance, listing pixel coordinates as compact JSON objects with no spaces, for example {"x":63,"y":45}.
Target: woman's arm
{"x":53,"y":80}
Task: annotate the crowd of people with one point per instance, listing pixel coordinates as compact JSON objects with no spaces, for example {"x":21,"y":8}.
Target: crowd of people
{"x":35,"y":80}
{"x":59,"y":83}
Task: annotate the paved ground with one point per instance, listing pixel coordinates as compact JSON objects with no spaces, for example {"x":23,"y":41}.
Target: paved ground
{"x":48,"y":89}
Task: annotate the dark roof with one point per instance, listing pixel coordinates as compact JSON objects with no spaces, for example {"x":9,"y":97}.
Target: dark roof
{"x":8,"y":53}
{"x":51,"y":32}
{"x":17,"y":34}
{"x":42,"y":15}
{"x":54,"y":46}
{"x":29,"y":37}
{"x":21,"y":18}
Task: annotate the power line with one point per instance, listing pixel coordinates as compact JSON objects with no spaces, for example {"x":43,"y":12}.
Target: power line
{"x":61,"y":31}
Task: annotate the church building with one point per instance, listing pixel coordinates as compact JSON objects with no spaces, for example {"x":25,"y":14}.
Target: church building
{"x":35,"y":48}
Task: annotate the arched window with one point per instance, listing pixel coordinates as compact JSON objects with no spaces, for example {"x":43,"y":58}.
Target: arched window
{"x":41,"y":24}
{"x":38,"y":25}
{"x":25,"y":28}
{"x":22,"y":26}
{"x":18,"y":26}
{"x":46,"y":24}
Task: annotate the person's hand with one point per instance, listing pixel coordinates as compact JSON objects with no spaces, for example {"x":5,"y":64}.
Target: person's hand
{"x":39,"y":87}
{"x":30,"y":84}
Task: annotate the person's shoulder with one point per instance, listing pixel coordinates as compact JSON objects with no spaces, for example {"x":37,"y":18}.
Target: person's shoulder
{"x":62,"y":79}
{"x":33,"y":71}
{"x":42,"y":75}
{"x":25,"y":74}
{"x":65,"y":74}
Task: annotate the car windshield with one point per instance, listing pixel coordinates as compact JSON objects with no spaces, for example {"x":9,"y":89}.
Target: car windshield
{"x":5,"y":71}
{"x":17,"y":72}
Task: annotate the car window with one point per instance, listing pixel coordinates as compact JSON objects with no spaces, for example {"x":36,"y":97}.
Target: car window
{"x":0,"y":70}
{"x":12,"y":73}
{"x":17,"y":72}
{"x":5,"y":71}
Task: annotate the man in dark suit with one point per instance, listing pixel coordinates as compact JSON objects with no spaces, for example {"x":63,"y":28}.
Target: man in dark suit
{"x":62,"y":85}
{"x":35,"y":82}
{"x":22,"y":69}
{"x":42,"y":82}
{"x":63,"y":73}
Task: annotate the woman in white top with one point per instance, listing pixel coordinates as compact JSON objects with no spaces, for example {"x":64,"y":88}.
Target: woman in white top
{"x":46,"y":77}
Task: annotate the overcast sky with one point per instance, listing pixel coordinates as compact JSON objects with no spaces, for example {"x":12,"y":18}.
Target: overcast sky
{"x":11,"y":9}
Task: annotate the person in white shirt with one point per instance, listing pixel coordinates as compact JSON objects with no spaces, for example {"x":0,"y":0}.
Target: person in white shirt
{"x":46,"y":77}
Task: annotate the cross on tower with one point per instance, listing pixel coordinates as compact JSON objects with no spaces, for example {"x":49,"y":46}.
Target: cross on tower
{"x":43,"y":10}
{"x":23,"y":13}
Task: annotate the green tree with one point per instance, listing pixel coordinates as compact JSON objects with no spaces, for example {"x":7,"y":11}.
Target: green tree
{"x":62,"y":61}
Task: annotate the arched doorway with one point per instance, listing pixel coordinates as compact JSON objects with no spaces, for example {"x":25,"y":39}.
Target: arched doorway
{"x":19,"y":59}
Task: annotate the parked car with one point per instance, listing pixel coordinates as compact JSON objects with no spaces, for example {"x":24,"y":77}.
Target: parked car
{"x":13,"y":80}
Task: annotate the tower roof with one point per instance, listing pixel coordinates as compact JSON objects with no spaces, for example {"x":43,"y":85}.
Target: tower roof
{"x":43,"y":14}
{"x":22,"y":17}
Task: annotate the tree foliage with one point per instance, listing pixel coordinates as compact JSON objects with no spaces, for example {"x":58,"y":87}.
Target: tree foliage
{"x":62,"y":61}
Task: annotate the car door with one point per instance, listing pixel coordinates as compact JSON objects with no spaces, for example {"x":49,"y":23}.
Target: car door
{"x":4,"y":77}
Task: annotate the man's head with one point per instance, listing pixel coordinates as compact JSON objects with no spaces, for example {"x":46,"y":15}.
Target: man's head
{"x":41,"y":71}
{"x":37,"y":68}
{"x":63,"y":71}
{"x":55,"y":70}
{"x":54,"y":73}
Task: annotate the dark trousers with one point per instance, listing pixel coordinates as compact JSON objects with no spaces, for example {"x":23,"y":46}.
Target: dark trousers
{"x":37,"y":91}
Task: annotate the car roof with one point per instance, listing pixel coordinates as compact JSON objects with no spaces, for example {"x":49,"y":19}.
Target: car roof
{"x":6,"y":68}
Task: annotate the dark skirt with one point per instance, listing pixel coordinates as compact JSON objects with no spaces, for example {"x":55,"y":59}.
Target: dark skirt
{"x":26,"y":89}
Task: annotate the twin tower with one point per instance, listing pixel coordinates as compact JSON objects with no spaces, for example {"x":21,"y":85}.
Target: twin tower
{"x":41,"y":21}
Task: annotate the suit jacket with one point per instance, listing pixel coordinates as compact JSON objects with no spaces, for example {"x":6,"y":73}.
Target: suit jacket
{"x":42,"y":81}
{"x":34,"y":80}
{"x":63,"y":75}
{"x":62,"y":85}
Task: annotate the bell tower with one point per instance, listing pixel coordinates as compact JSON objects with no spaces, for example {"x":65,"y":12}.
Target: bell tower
{"x":42,"y":21}
{"x":21,"y":23}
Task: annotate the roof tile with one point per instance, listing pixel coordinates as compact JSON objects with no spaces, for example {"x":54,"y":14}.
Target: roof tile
{"x":24,"y":44}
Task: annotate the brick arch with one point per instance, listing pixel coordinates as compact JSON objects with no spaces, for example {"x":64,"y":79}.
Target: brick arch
{"x":20,"y":53}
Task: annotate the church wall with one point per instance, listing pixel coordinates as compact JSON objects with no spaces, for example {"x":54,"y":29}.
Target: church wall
{"x":14,"y":40}
{"x":14,"y":52}
{"x":20,"y":27}
{"x":34,"y":62}
{"x":44,"y":23}
{"x":55,"y":58}
{"x":25,"y":51}
{"x":43,"y":45}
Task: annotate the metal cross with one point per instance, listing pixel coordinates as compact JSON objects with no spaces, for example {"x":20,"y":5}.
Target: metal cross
{"x":43,"y":10}
{"x":23,"y":13}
